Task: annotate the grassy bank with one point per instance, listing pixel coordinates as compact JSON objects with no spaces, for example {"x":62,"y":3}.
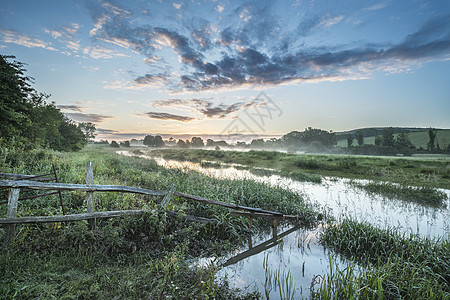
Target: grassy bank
{"x":130,"y":257}
{"x":433,"y":172}
{"x":393,"y":265}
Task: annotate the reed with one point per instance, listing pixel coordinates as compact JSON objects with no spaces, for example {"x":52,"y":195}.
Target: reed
{"x":392,"y":265}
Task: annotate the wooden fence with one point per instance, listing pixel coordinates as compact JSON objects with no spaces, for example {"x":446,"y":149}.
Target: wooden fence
{"x":14,"y":191}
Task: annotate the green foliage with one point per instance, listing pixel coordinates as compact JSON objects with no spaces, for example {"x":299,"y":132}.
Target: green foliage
{"x":360,"y":137}
{"x":349,"y":140}
{"x":394,"y":266}
{"x":27,"y":119}
{"x":387,"y":138}
{"x":424,"y":195}
{"x":299,"y":139}
{"x":197,"y":142}
{"x":153,"y":141}
{"x":88,"y":130}
{"x":432,"y":137}
{"x":182,"y":144}
{"x":114,"y":144}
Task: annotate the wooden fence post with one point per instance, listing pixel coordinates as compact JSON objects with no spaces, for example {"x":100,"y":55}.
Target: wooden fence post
{"x":13,"y":200}
{"x":90,"y":195}
{"x":168,"y":197}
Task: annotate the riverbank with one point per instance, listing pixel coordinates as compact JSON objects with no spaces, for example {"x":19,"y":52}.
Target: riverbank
{"x":432,"y":172}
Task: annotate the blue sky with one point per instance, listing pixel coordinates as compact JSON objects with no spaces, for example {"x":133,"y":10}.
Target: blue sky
{"x":210,"y":68}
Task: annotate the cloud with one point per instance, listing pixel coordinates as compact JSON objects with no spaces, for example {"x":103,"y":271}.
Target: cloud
{"x":260,"y":48}
{"x":205,"y":107}
{"x":219,"y":8}
{"x":70,"y":107}
{"x":102,"y":52}
{"x":66,"y":36}
{"x":167,"y":116}
{"x":11,"y":36}
{"x":376,"y":6}
{"x":83,"y":117}
{"x":106,"y":131}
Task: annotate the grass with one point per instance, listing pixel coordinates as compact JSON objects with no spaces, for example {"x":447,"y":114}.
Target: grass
{"x":423,"y":195}
{"x":130,"y":257}
{"x":417,"y":138}
{"x":434,"y":173}
{"x":393,"y":265}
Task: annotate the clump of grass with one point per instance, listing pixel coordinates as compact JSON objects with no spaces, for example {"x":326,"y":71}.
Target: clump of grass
{"x":301,"y":176}
{"x":278,"y":280}
{"x":211,"y":164}
{"x":394,"y":265}
{"x":424,"y":195}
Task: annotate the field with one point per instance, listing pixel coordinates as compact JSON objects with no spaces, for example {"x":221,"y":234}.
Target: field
{"x":150,"y":256}
{"x":418,"y":138}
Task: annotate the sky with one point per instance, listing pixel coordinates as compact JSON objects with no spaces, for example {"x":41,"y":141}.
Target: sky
{"x":235,"y":69}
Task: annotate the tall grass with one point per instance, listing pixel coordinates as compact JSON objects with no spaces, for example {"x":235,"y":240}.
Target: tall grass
{"x":424,"y":195}
{"x":394,"y":265}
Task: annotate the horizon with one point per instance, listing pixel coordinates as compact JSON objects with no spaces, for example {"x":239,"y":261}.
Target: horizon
{"x":257,"y":69}
{"x":233,"y":139}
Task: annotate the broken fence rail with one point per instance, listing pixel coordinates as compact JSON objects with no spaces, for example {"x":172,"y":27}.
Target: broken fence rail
{"x":23,"y":183}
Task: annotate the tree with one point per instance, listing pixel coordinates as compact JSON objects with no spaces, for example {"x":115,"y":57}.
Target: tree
{"x":153,"y":141}
{"x":297,"y":139}
{"x":72,"y":138}
{"x":387,"y":138}
{"x":349,"y":140}
{"x":378,"y":140}
{"x":114,"y":144}
{"x":360,"y":137}
{"x":432,"y":137}
{"x":125,"y":144}
{"x":402,"y":141}
{"x":88,"y":130}
{"x":197,"y":142}
{"x":181,"y":144}
{"x":28,"y":118}
{"x":258,"y":143}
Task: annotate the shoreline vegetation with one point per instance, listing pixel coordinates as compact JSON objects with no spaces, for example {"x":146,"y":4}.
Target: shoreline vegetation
{"x":418,"y":172}
{"x":149,"y":256}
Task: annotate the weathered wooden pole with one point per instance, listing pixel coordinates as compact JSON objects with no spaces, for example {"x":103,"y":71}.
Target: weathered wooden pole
{"x":165,"y":201}
{"x":13,"y":200}
{"x":274,"y":228}
{"x":90,"y":195}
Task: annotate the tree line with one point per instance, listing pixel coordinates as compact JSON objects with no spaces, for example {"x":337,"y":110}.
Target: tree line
{"x":28,"y":120}
{"x":389,"y":141}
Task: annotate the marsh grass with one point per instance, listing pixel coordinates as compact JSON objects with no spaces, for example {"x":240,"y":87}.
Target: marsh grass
{"x":424,"y":195}
{"x":280,"y":281}
{"x":393,"y":265}
{"x":129,"y":257}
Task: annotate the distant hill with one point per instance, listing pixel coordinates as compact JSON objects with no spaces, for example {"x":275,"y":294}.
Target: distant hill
{"x":418,"y":136}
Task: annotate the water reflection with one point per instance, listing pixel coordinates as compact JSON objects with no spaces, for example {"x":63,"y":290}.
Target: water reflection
{"x":341,"y":199}
{"x":296,"y":252}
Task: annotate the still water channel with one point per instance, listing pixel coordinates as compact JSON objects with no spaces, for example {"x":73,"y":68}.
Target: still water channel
{"x":296,"y":255}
